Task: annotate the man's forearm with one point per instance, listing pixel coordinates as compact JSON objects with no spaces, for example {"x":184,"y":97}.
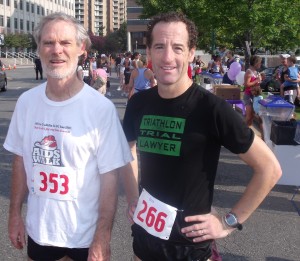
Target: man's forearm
{"x":107,"y":205}
{"x":267,"y":171}
{"x":129,"y":176}
{"x":19,"y":187}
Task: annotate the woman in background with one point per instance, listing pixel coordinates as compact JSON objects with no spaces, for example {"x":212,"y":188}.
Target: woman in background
{"x":141,"y":78}
{"x":252,"y":79}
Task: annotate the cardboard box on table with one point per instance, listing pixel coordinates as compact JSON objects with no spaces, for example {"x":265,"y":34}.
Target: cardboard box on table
{"x":227,"y":92}
{"x":231,"y":93}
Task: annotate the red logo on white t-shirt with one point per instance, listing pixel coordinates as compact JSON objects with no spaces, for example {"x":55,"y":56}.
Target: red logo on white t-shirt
{"x":46,"y":152}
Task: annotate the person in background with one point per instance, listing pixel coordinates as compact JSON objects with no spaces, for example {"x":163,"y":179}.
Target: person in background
{"x":66,"y":154}
{"x":194,"y":68}
{"x":179,"y":130}
{"x":117,"y":64}
{"x":230,"y":60}
{"x":86,"y":68}
{"x":135,"y":57}
{"x":216,"y":66}
{"x":80,"y":68}
{"x":257,"y":96}
{"x":199,"y":62}
{"x":252,"y":79}
{"x":122,"y":69}
{"x":149,"y":65}
{"x":93,"y":62}
{"x":105,"y":65}
{"x":99,"y":78}
{"x":282,"y":69}
{"x":38,"y":68}
{"x":289,"y":88}
{"x":141,"y":78}
{"x":210,"y":62}
{"x":127,"y":74}
{"x":222,"y":54}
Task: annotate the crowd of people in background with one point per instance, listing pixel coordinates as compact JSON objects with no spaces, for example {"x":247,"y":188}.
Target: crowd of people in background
{"x":287,"y":75}
{"x":132,"y":69}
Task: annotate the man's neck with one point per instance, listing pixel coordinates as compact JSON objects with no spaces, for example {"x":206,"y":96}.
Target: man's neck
{"x":173,"y":91}
{"x":63,"y":89}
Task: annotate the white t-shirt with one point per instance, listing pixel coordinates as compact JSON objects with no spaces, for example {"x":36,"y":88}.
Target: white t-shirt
{"x":65,"y":147}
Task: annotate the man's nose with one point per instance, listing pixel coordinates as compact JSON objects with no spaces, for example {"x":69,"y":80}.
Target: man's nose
{"x":57,"y":47}
{"x":168,"y":54}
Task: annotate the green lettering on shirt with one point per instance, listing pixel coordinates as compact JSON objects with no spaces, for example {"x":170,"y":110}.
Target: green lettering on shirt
{"x":159,"y":146}
{"x":161,"y":135}
{"x":161,"y":123}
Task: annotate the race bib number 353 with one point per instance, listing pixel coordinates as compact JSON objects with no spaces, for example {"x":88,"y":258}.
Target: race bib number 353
{"x":156,"y":217}
{"x":54,"y":182}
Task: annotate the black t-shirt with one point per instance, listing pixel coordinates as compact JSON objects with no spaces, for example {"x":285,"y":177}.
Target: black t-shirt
{"x":179,"y":142}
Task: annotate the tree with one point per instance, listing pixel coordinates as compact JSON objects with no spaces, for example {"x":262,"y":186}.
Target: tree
{"x":193,"y":9}
{"x":19,"y":41}
{"x":97,"y":42}
{"x":116,"y":41}
{"x":273,"y":24}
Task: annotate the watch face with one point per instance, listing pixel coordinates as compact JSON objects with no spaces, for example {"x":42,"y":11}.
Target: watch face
{"x":231,"y":220}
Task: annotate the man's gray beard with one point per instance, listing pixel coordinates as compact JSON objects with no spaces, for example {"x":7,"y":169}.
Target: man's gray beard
{"x":56,"y":75}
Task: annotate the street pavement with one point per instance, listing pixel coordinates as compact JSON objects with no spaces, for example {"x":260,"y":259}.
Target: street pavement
{"x":272,"y":233}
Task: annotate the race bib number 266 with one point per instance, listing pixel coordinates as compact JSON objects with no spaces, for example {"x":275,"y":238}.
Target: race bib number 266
{"x":156,"y":217}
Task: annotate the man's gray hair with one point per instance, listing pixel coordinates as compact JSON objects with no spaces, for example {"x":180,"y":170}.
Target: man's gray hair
{"x":81,"y":34}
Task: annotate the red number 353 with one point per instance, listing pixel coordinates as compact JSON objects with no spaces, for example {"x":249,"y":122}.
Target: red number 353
{"x":55,"y":180}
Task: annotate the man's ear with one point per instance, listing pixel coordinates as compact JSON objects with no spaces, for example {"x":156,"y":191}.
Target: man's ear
{"x":82,"y":49}
{"x":192,"y":55}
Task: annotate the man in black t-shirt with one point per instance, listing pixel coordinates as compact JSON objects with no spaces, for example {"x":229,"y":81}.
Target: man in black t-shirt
{"x":179,"y":129}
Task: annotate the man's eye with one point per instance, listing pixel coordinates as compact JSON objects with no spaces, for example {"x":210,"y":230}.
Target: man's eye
{"x":178,"y":49}
{"x":65,"y":43}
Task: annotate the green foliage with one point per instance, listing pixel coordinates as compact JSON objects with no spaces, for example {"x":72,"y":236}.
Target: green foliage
{"x":116,"y":41}
{"x":19,"y":41}
{"x":273,"y":24}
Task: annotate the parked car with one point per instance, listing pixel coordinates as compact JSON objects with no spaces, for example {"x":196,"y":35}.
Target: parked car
{"x":270,"y":84}
{"x":3,"y":81}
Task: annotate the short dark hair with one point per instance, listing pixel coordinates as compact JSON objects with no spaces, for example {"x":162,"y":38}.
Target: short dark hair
{"x":292,"y":59}
{"x":254,"y":59}
{"x":169,"y":18}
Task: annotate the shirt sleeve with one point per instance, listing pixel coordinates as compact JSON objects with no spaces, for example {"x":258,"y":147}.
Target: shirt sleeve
{"x":114,"y":151}
{"x":128,"y":121}
{"x":14,"y":139}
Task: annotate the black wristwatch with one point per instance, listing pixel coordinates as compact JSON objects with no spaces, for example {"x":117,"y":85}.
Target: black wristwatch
{"x":231,"y":221}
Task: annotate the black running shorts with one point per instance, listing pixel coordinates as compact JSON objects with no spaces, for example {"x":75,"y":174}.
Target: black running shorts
{"x":149,"y":248}
{"x":49,"y":253}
